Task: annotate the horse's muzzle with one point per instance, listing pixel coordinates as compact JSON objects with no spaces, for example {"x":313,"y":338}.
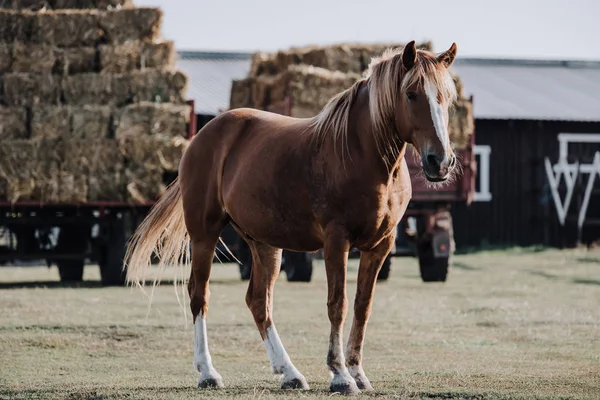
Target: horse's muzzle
{"x":438,"y":168}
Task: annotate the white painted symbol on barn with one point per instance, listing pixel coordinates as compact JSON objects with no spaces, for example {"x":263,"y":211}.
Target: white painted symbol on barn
{"x":571,"y":172}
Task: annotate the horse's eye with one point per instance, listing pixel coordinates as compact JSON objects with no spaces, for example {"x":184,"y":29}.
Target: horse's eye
{"x":411,"y":96}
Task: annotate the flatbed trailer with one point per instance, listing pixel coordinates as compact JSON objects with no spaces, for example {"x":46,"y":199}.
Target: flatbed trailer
{"x":69,"y":235}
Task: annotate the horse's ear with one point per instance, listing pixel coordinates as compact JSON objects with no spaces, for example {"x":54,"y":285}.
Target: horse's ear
{"x":447,"y":57}
{"x":409,"y":55}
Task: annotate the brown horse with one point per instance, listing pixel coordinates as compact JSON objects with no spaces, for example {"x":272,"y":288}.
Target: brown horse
{"x":332,"y":182}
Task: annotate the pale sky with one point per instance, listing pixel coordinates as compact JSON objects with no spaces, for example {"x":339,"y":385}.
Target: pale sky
{"x":539,"y":29}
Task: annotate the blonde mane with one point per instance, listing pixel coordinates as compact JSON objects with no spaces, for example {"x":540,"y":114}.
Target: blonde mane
{"x":383,"y":76}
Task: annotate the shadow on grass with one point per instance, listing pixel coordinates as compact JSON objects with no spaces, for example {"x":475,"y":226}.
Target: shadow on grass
{"x":463,"y":266}
{"x":585,"y":281}
{"x":544,"y":274}
{"x":94,"y":284}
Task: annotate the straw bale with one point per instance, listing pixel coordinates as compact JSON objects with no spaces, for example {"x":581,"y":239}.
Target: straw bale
{"x":99,"y":163}
{"x":159,"y":85}
{"x":5,"y":58}
{"x":123,"y":25}
{"x":13,"y":123}
{"x":15,"y":25}
{"x":241,"y":93}
{"x":26,"y":89}
{"x":146,"y":118}
{"x":345,"y":57}
{"x":28,"y":169}
{"x":90,"y":121}
{"x":170,"y":150}
{"x":33,"y":5}
{"x":90,"y":4}
{"x":49,"y":122}
{"x":75,"y":60}
{"x":120,"y":58}
{"x":66,"y":28}
{"x":38,"y":58}
{"x":114,"y":4}
{"x":170,"y":119}
{"x":143,"y":169}
{"x":134,"y":120}
{"x":157,"y":54}
{"x":92,"y":88}
{"x":72,"y":4}
{"x":461,"y":123}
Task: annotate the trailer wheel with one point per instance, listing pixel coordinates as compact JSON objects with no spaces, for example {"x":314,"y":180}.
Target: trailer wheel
{"x":435,"y":249}
{"x":112,"y":253}
{"x":298,"y":266}
{"x":70,"y":270}
{"x":74,"y":240}
{"x":384,"y":272}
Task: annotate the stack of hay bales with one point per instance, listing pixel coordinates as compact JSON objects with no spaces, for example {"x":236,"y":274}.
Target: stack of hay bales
{"x":91,"y":106}
{"x":308,"y":77}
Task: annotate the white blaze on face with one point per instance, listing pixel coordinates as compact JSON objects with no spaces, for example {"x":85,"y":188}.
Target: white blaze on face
{"x":437,"y":113}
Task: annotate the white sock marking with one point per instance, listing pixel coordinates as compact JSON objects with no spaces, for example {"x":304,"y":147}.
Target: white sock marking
{"x":202,"y":358}
{"x":437,"y":113}
{"x":280,"y":361}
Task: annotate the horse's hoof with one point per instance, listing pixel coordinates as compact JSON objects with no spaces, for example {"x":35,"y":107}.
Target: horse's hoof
{"x":296,"y":383}
{"x":210,"y":383}
{"x":345,"y":388}
{"x":364,"y":384}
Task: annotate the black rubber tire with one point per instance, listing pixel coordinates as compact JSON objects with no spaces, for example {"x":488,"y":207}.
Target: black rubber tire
{"x":72,"y":239}
{"x":70,"y":270}
{"x":384,"y":272}
{"x":112,"y":254}
{"x":432,"y":269}
{"x":298,"y":266}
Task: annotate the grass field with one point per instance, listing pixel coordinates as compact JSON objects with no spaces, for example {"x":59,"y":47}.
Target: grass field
{"x":507,"y":324}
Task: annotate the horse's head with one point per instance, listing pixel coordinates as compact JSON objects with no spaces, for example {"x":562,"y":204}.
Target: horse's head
{"x":414,"y":89}
{"x":427,"y":91}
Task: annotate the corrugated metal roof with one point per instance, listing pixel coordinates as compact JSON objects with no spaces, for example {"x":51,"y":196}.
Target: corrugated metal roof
{"x":210,"y":76}
{"x":501,"y":89}
{"x":536,"y":90}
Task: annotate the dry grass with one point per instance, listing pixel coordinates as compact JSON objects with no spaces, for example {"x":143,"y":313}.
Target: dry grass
{"x":512,"y":324}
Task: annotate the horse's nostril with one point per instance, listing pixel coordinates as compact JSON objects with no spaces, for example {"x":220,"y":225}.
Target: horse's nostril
{"x":433,"y":161}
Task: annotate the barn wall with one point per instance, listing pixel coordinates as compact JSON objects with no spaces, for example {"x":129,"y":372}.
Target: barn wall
{"x":522,"y":211}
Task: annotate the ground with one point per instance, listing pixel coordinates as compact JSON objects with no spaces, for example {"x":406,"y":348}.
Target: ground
{"x":506,"y":324}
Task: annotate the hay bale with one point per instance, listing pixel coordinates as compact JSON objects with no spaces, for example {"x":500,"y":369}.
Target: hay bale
{"x":134,"y":120}
{"x":170,"y":120}
{"x":13,"y":123}
{"x":241,"y":93}
{"x":100,"y":163}
{"x":114,"y":4}
{"x":27,"y":89}
{"x":461,"y":124}
{"x":66,"y":28}
{"x":159,"y":85}
{"x":5,"y":58}
{"x":170,"y":150}
{"x":32,"y":5}
{"x":90,"y":122}
{"x":72,"y":4}
{"x":146,"y":118}
{"x":50,"y":122}
{"x":76,"y":60}
{"x":37,"y":58}
{"x":120,"y":58}
{"x":124,"y":25}
{"x":143,"y":170}
{"x":157,"y":54}
{"x":28,"y":168}
{"x":15,"y":25}
{"x":92,"y":88}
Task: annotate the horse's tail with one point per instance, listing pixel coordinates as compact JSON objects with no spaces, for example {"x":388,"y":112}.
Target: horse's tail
{"x":163,"y":232}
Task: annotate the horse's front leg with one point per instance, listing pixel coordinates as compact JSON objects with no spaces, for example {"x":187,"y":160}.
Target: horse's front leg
{"x":336,"y":257}
{"x":370,"y":264}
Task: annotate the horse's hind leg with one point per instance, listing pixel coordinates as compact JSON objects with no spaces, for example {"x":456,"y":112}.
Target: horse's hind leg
{"x":202,"y":257}
{"x":370,"y":264}
{"x":266,"y":262}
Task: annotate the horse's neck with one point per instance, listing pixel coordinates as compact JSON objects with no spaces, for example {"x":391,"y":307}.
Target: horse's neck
{"x":385,"y":150}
